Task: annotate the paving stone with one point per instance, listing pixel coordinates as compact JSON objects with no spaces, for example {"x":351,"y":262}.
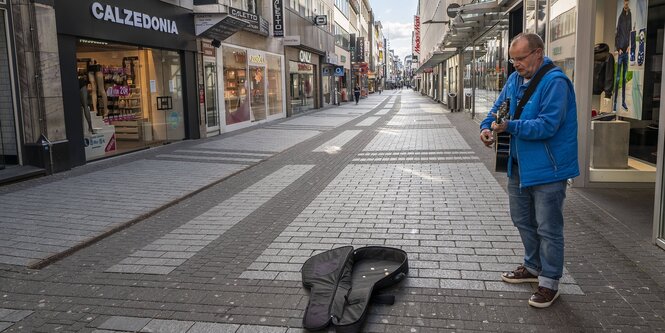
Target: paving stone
{"x":200,"y":327}
{"x":132,"y":324}
{"x":167,"y":326}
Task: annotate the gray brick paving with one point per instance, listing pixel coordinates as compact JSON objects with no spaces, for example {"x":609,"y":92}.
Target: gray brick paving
{"x":215,"y":291}
{"x":422,"y":139}
{"x":264,"y":140}
{"x":167,"y":253}
{"x":334,"y":145}
{"x":369,"y":121}
{"x":70,"y":211}
{"x":398,"y":193}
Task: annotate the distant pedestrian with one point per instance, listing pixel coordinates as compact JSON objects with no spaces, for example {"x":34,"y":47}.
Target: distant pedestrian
{"x":356,"y":93}
{"x":380,"y":90}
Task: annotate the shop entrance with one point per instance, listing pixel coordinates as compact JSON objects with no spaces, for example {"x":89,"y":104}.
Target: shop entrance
{"x":258,"y":89}
{"x":131,"y":97}
{"x":302,"y":88}
{"x":9,"y":148}
{"x":210,"y":81}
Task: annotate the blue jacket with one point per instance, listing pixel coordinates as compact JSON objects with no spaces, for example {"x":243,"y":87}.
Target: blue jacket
{"x":544,"y":139}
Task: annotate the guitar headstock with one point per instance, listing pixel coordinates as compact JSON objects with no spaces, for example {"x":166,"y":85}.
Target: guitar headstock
{"x":503,"y":111}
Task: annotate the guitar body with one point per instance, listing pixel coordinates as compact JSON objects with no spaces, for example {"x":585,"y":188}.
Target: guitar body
{"x":502,"y":151}
{"x":502,"y":140}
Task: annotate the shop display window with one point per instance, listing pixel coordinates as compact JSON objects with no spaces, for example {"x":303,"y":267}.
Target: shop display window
{"x":235,"y":85}
{"x":302,"y":87}
{"x":275,"y":91}
{"x":120,"y":89}
{"x":8,"y":138}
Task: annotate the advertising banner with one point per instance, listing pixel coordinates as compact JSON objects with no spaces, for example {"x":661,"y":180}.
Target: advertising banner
{"x":630,"y":42}
{"x":416,"y":36}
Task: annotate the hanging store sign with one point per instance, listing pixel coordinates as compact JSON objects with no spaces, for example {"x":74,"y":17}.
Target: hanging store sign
{"x":255,"y":23}
{"x":277,"y":18}
{"x":416,"y":34}
{"x":360,"y":49}
{"x":292,"y":40}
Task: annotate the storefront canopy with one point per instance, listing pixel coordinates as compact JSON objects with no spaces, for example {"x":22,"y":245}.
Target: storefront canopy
{"x":217,"y":26}
{"x":436,"y":58}
{"x":474,"y":20}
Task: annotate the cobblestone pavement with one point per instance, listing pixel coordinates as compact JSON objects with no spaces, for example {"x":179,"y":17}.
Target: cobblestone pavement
{"x":210,"y":235}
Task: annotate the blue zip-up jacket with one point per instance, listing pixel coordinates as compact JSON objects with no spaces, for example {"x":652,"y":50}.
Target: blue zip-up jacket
{"x":544,"y":139}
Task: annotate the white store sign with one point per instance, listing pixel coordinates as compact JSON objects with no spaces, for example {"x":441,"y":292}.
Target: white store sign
{"x":132,"y":18}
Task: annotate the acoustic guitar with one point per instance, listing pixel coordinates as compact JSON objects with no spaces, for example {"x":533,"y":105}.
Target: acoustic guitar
{"x":502,"y":140}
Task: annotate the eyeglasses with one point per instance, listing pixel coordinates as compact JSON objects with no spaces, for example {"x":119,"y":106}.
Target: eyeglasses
{"x":521,"y":59}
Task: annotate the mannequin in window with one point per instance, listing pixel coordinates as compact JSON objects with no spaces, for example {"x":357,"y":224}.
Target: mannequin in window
{"x":96,"y":79}
{"x":83,"y":94}
{"x":603,"y":73}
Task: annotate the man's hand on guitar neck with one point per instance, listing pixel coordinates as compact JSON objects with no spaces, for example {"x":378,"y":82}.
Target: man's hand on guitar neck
{"x":486,"y":137}
{"x":500,"y":128}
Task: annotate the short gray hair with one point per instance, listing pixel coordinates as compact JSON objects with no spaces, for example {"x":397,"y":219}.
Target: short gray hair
{"x":534,"y":40}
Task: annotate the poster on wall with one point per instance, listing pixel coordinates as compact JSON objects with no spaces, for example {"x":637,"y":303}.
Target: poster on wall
{"x":630,"y":44}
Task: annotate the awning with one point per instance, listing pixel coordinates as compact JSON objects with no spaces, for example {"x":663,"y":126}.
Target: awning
{"x":217,"y":26}
{"x":475,"y":20}
{"x":436,"y":58}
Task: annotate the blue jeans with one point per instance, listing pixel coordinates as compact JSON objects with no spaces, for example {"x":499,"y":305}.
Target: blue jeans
{"x":537,"y":212}
{"x":622,"y":68}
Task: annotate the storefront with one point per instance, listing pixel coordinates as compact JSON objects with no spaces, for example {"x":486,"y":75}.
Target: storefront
{"x":9,"y":134}
{"x":252,"y":86}
{"x":303,"y":80}
{"x":128,"y":75}
{"x":615,"y":61}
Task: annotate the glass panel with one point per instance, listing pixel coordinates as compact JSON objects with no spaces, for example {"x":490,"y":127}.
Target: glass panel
{"x":8,"y":142}
{"x":170,"y":100}
{"x":258,"y":89}
{"x":235,"y":86}
{"x":210,"y":77}
{"x":562,"y":27}
{"x":302,"y":86}
{"x":530,"y":16}
{"x":111,"y":78}
{"x":275,"y":99}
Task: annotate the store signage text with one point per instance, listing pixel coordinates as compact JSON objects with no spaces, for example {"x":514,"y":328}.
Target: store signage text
{"x":257,"y":59}
{"x":416,"y":34}
{"x":304,"y":67}
{"x":132,"y":18}
{"x":305,"y":56}
{"x":255,"y":22}
{"x":277,"y":18}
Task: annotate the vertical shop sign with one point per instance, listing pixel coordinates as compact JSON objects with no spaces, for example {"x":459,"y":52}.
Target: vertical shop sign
{"x":277,"y":18}
{"x":416,"y":34}
{"x":630,"y":42}
{"x":360,"y":49}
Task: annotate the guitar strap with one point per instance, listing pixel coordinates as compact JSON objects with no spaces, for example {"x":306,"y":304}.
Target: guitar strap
{"x":531,"y":88}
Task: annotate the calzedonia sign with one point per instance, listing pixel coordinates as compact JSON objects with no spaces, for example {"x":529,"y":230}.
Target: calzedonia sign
{"x":150,"y":23}
{"x":132,"y":18}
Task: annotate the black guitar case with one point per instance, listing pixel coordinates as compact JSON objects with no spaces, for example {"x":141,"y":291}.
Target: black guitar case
{"x":343,"y":283}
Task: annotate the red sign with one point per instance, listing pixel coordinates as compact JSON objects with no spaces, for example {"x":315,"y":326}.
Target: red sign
{"x":416,"y":35}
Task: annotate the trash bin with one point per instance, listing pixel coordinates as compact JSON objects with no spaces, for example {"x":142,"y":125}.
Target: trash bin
{"x":452,"y":102}
{"x":467,"y":101}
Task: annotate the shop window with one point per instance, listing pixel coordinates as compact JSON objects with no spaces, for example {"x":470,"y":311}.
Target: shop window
{"x":130,"y":97}
{"x":8,"y":138}
{"x":561,"y":48}
{"x":235,"y":85}
{"x":275,"y":79}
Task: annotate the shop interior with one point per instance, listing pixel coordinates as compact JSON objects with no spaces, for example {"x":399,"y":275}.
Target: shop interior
{"x":131,"y":97}
{"x":626,"y":92}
